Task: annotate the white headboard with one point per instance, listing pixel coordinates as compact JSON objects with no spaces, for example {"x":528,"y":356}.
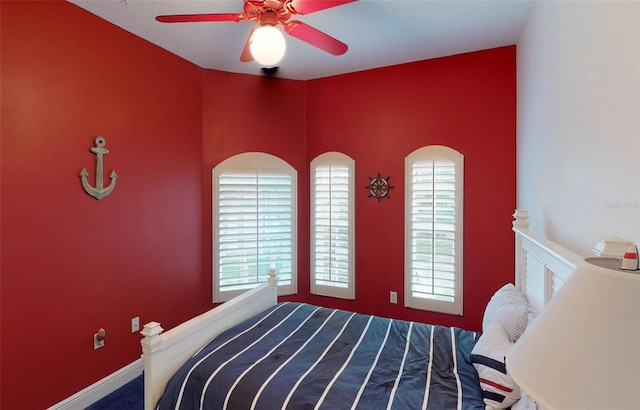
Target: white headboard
{"x":542,"y":266}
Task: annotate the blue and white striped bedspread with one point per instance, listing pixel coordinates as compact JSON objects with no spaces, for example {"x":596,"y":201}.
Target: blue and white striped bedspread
{"x":300,"y":356}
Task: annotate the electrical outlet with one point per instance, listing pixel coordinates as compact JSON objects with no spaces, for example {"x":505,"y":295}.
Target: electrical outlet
{"x":393,"y":297}
{"x":135,"y":324}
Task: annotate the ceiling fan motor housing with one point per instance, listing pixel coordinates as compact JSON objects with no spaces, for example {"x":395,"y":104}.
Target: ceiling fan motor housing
{"x":268,"y":12}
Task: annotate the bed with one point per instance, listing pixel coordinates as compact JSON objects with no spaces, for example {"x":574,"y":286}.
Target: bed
{"x":253,"y":352}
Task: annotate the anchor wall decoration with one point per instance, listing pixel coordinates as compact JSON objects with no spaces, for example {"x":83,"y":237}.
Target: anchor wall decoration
{"x":99,"y":191}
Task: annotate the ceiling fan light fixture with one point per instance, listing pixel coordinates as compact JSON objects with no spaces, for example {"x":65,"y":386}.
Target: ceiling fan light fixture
{"x":267,"y":45}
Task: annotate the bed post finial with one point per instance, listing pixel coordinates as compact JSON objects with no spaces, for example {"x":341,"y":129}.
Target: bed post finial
{"x":273,"y":276}
{"x":521,"y":219}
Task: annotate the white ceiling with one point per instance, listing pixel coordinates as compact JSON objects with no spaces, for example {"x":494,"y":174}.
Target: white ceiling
{"x":379,"y":33}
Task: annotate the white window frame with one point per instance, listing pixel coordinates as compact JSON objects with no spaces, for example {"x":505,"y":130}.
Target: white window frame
{"x":348,"y":292}
{"x":259,"y":161}
{"x":425,"y":154}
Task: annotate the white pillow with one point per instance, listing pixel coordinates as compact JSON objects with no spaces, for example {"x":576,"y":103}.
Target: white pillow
{"x":488,"y":358}
{"x":510,"y":308}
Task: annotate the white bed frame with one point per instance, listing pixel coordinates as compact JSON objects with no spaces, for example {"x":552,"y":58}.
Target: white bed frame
{"x":541,"y":268}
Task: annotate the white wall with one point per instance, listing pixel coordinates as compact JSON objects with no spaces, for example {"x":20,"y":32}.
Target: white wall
{"x":578,"y":121}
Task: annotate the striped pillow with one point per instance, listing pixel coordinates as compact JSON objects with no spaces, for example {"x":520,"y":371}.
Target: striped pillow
{"x":488,"y":357}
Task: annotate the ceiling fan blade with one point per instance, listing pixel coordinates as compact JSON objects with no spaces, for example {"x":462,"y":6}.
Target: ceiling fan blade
{"x":194,"y":18}
{"x":309,"y":6}
{"x":246,"y":56}
{"x":315,"y":37}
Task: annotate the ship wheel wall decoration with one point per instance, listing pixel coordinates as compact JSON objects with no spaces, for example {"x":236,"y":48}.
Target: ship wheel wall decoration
{"x":379,"y":187}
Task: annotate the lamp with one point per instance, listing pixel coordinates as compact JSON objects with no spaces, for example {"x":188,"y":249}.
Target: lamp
{"x":267,"y":45}
{"x":583,"y":350}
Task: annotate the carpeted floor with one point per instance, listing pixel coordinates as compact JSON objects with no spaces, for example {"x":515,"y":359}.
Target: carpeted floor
{"x":128,"y":397}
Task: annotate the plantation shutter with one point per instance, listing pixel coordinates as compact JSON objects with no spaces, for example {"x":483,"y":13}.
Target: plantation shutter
{"x":332,"y":233}
{"x":255,"y":231}
{"x":434,"y":233}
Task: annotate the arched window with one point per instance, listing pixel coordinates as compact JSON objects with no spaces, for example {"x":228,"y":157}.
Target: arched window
{"x":332,"y":226}
{"x":434,"y":178}
{"x":254,"y":224}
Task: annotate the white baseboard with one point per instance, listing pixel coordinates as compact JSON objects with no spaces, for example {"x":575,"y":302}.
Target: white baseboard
{"x":101,"y":388}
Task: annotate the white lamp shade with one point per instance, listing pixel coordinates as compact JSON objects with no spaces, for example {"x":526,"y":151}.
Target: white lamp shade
{"x":267,"y":45}
{"x":583,"y":350}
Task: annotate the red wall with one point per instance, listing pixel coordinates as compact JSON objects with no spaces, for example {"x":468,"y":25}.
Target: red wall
{"x":72,"y":264}
{"x":378,"y":117}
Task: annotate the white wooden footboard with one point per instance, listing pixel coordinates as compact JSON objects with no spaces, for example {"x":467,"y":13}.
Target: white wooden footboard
{"x":164,"y":353}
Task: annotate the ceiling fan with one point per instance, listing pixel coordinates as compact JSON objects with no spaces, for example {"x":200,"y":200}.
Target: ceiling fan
{"x":268,"y":14}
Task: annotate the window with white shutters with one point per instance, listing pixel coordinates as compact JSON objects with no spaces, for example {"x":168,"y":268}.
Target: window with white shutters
{"x":332,"y":226}
{"x":433,"y":229}
{"x":254,"y":224}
